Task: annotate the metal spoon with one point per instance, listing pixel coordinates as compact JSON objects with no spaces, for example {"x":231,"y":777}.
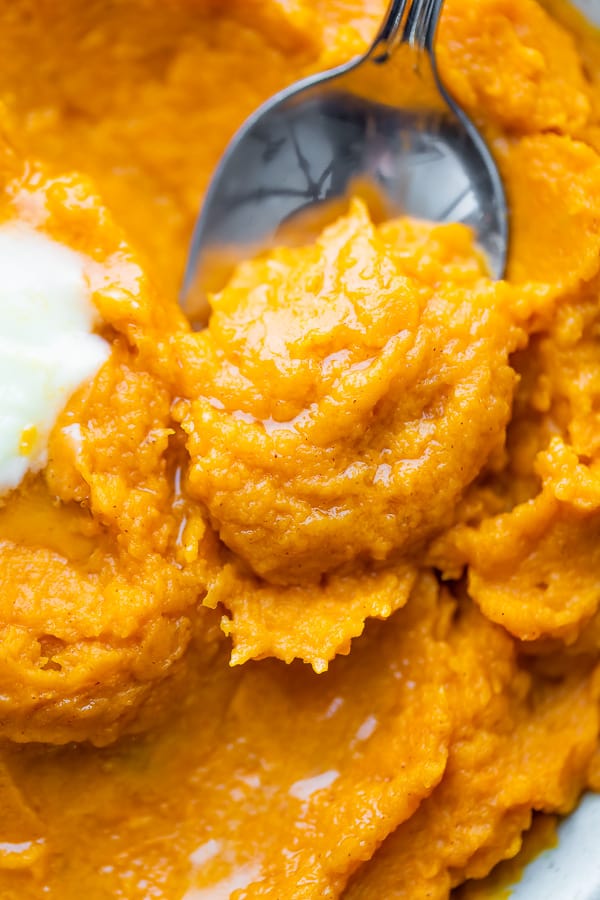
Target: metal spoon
{"x":383,"y":118}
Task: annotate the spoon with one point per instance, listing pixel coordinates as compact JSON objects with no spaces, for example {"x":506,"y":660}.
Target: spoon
{"x":384,"y":119}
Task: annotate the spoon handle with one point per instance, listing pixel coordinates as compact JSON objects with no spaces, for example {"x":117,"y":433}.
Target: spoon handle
{"x":411,"y":22}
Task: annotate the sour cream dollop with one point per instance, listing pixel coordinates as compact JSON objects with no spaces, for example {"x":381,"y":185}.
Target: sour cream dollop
{"x":47,"y":345}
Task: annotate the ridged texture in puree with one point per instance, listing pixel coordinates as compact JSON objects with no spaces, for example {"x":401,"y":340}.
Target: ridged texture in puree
{"x":344,"y":395}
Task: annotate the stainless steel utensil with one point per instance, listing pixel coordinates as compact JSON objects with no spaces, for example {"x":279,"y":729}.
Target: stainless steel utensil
{"x":383,"y":118}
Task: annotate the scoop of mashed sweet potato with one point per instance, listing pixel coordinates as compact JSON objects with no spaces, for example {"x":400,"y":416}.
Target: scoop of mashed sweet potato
{"x":344,"y":395}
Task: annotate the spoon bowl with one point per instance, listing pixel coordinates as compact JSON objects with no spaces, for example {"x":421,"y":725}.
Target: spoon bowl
{"x":384,"y":120}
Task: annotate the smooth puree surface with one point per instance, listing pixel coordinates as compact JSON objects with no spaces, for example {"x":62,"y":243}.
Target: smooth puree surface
{"x":304,"y":605}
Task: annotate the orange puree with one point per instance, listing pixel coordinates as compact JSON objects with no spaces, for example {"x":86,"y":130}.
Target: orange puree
{"x":339,"y":378}
{"x":373,"y":480}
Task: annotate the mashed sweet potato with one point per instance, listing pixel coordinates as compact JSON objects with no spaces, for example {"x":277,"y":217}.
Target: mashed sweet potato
{"x":375,"y":465}
{"x":96,"y":608}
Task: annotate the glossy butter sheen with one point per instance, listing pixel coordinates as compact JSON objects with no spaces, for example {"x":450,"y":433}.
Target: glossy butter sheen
{"x":47,"y":348}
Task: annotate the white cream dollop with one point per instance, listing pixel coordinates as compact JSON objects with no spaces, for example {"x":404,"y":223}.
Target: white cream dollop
{"x":47,"y":345}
